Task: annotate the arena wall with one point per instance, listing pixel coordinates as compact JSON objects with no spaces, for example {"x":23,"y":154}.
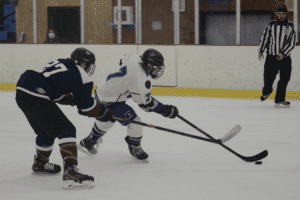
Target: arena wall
{"x":198,"y":70}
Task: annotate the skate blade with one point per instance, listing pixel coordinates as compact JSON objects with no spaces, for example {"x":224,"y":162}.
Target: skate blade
{"x":83,"y":150}
{"x":72,"y":185}
{"x":282,"y":106}
{"x":44,"y":173}
{"x":143,"y":161}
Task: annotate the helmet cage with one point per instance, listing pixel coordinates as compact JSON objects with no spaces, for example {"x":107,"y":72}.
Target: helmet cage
{"x":91,"y":69}
{"x":156,"y":74}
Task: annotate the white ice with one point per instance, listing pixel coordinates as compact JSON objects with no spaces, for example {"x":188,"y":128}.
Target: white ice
{"x":179,"y":167}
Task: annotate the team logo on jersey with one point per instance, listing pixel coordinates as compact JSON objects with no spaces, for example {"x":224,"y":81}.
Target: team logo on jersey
{"x":128,"y":114}
{"x":148,"y":84}
{"x":286,"y":31}
{"x":40,"y":90}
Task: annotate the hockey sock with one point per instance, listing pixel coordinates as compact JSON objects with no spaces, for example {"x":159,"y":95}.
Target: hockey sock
{"x":42,"y":157}
{"x":134,"y":130}
{"x":44,"y":146}
{"x":134,"y":141}
{"x":69,"y":153}
{"x":96,"y":133}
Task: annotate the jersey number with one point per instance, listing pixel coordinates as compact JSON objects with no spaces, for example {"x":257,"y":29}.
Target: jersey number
{"x":148,"y":97}
{"x":53,"y":67}
{"x":121,"y":73}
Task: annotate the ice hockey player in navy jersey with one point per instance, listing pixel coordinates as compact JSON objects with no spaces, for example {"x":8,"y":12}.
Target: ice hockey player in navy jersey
{"x":68,"y":82}
{"x":131,"y":81}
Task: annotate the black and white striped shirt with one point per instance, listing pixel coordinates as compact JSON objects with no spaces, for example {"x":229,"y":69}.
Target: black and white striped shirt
{"x":279,"y":37}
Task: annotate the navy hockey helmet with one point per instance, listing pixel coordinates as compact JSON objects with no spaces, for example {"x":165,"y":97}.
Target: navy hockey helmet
{"x":81,"y":55}
{"x":156,"y":61}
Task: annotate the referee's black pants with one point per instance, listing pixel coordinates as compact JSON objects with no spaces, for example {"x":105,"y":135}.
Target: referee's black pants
{"x":271,"y":69}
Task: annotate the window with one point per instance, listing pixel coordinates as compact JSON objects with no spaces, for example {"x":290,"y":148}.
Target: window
{"x":217,"y":22}
{"x":64,"y":22}
{"x":7,"y":22}
{"x":218,"y":28}
{"x":253,"y":24}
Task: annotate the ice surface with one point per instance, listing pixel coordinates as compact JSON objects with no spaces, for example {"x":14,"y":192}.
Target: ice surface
{"x":179,"y":168}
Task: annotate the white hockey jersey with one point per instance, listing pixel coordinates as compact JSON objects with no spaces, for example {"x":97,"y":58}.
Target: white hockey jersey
{"x":131,"y":81}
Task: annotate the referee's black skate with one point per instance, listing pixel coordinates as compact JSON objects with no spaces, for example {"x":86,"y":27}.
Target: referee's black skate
{"x":137,"y":151}
{"x":283,"y":104}
{"x":264,"y":97}
{"x":39,"y":167}
{"x":73,"y":179}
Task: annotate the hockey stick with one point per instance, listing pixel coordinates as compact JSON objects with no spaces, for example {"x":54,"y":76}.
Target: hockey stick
{"x":219,"y":141}
{"x":256,"y":157}
{"x":232,"y":133}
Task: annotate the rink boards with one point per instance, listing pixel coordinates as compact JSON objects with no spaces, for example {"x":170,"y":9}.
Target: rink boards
{"x":191,"y":70}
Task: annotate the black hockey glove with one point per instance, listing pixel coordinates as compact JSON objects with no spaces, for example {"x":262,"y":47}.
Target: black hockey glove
{"x":105,"y":115}
{"x":69,"y":99}
{"x":170,"y":111}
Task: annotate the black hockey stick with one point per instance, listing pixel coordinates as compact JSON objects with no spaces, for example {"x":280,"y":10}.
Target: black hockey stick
{"x":218,"y":141}
{"x":259,"y":156}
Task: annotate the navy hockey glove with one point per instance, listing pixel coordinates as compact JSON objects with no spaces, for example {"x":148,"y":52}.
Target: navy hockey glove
{"x":170,"y":111}
{"x":105,"y":115}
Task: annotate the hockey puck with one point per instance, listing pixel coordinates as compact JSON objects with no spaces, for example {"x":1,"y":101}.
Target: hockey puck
{"x":258,"y":162}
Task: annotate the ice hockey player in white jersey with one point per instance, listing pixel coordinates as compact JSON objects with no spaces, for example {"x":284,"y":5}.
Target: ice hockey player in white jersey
{"x":131,"y":81}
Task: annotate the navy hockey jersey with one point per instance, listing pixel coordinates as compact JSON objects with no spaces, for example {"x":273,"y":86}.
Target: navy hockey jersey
{"x":57,"y":79}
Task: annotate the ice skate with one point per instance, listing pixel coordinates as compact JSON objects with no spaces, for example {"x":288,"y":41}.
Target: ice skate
{"x":283,"y":104}
{"x":264,"y":97}
{"x":73,"y":179}
{"x":43,"y":169}
{"x":89,"y":146}
{"x":137,"y":151}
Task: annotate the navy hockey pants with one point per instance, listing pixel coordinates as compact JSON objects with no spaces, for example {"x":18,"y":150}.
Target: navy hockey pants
{"x":45,"y":118}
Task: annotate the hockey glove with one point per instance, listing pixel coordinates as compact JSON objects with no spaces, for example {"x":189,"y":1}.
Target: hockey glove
{"x":105,"y":115}
{"x":69,"y":99}
{"x":170,"y":111}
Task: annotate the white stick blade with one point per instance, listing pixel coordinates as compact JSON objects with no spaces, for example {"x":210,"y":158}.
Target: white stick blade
{"x":233,"y":132}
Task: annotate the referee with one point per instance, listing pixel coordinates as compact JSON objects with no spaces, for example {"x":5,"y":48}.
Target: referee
{"x":279,"y":40}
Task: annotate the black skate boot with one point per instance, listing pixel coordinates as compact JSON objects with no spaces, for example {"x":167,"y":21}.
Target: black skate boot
{"x":39,"y":167}
{"x":137,"y":151}
{"x":283,"y":104}
{"x":88,"y":146}
{"x":264,"y":97}
{"x":74,"y":179}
